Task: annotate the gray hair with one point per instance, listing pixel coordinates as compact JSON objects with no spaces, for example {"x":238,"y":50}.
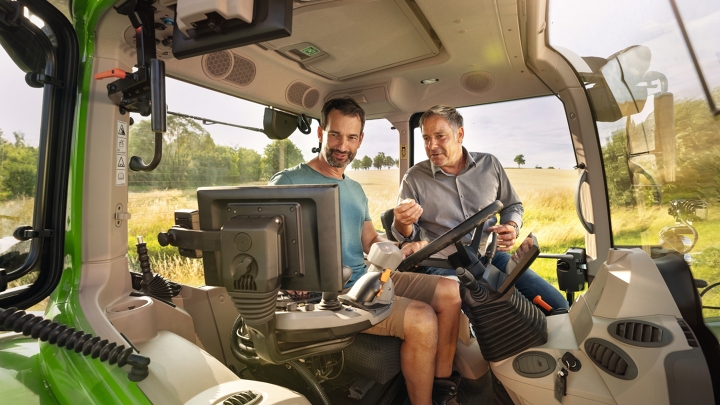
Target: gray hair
{"x":446,"y":112}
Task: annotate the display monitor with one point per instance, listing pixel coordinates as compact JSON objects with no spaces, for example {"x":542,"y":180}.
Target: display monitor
{"x":270,"y":232}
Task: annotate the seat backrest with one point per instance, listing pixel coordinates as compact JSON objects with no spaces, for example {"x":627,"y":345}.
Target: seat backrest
{"x":680,"y":282}
{"x":386,"y":219}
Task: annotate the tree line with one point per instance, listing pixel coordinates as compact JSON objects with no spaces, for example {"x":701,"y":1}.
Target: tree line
{"x":379,"y":161}
{"x":192,"y":159}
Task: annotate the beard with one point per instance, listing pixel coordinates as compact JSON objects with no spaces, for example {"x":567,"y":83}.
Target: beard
{"x":335,"y":163}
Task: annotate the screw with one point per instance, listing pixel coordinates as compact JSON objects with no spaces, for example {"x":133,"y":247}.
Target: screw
{"x":293,"y":241}
{"x":259,"y":209}
{"x":111,"y":87}
{"x":292,"y":209}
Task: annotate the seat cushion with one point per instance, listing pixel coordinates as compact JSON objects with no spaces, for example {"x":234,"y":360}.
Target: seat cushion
{"x":375,"y":357}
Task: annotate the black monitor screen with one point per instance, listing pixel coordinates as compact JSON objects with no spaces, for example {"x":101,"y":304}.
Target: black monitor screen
{"x":265,"y":230}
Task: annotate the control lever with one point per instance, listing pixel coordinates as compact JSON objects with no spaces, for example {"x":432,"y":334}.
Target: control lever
{"x":375,"y":288}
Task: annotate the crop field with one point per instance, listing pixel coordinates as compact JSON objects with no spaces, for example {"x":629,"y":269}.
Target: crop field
{"x":549,"y":214}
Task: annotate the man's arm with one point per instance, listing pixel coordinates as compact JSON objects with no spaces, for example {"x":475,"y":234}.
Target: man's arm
{"x":511,"y":215}
{"x":406,"y":213}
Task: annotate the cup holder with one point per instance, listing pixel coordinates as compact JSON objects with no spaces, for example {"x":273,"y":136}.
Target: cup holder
{"x":129,"y":305}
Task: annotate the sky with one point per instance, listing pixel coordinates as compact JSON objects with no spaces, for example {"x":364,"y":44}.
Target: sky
{"x":536,"y":128}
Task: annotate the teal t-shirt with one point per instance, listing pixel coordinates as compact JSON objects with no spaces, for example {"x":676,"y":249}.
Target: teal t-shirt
{"x":353,"y":212}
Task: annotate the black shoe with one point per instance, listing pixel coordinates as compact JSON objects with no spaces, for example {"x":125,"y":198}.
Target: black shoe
{"x":445,"y":390}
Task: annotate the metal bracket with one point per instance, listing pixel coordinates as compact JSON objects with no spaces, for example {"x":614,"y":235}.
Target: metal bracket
{"x":38,"y":80}
{"x":27,"y":232}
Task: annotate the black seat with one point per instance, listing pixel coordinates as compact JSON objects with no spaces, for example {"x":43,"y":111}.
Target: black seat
{"x":680,"y":282}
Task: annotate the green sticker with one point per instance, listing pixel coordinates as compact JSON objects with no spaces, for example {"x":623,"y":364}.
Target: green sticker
{"x":310,"y":50}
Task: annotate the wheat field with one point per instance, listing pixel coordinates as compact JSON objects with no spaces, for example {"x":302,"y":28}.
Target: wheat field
{"x":547,"y":196}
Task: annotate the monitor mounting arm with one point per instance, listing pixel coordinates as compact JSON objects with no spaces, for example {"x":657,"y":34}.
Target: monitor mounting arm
{"x":142,"y":91}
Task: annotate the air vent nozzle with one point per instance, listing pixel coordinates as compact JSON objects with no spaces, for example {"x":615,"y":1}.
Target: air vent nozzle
{"x":689,"y":335}
{"x":640,"y":333}
{"x":244,"y":398}
{"x":611,"y":359}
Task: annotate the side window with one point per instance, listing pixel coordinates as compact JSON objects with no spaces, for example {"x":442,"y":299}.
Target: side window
{"x":531,"y":139}
{"x":200,"y":155}
{"x":19,"y":141}
{"x":659,"y":138}
{"x":376,"y":168}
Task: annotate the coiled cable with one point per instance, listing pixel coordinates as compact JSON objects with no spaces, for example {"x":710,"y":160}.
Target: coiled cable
{"x":60,"y":335}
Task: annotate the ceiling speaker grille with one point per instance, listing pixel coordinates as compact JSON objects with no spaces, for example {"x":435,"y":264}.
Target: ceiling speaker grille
{"x":227,"y":66}
{"x":311,"y":98}
{"x":477,"y":82}
{"x":218,"y":64}
{"x":296,"y":92}
{"x":243,"y":71}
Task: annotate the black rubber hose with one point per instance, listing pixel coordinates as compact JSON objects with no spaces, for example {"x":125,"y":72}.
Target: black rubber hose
{"x":312,"y":382}
{"x":56,"y":333}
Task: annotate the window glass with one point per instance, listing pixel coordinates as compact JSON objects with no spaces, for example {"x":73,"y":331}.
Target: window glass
{"x":376,"y":168}
{"x":19,"y":140}
{"x":660,"y":143}
{"x":531,"y":140}
{"x":197,"y":155}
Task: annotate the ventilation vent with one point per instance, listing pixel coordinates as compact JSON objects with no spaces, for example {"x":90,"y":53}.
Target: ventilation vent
{"x":302,"y":95}
{"x":245,"y":283}
{"x":611,"y":359}
{"x":640,"y":333}
{"x":244,"y":398}
{"x":689,"y":335}
{"x":229,"y":67}
{"x":477,"y":82}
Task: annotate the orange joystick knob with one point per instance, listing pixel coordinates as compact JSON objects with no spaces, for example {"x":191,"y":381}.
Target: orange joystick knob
{"x":119,"y":73}
{"x":544,"y":305}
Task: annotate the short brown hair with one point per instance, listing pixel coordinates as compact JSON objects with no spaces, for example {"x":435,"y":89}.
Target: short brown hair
{"x":347,"y":106}
{"x":450,"y":114}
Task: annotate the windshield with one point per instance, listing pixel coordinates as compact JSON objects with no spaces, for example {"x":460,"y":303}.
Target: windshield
{"x":660,"y":143}
{"x":198,"y":154}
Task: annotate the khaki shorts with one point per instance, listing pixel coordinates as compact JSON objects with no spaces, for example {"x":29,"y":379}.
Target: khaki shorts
{"x":408,"y":287}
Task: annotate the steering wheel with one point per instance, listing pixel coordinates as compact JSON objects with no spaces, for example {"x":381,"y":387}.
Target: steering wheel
{"x":451,"y":236}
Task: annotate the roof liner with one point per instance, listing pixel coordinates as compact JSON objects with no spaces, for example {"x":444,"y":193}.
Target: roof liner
{"x":479,"y":56}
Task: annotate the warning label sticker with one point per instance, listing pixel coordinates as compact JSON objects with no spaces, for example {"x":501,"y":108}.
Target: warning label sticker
{"x":121,"y":138}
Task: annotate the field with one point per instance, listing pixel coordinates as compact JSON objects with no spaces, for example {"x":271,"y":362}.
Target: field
{"x":549,"y":213}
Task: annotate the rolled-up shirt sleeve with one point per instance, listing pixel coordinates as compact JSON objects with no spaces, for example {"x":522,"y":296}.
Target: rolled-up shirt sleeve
{"x":513,"y":210}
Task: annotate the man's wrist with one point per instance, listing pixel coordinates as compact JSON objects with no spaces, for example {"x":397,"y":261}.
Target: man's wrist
{"x":515,"y":226}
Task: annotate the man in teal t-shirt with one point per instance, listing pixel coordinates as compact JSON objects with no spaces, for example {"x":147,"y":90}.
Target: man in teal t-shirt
{"x":427,"y":307}
{"x":353,"y":211}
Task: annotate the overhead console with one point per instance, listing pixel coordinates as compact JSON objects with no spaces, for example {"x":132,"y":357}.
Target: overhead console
{"x":321,"y":44}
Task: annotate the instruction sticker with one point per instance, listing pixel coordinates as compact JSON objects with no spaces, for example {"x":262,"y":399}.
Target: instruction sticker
{"x":403,"y":152}
{"x":121,"y":137}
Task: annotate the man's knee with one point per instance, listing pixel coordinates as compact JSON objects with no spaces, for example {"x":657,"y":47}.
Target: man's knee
{"x":447,"y":295}
{"x":420,"y":323}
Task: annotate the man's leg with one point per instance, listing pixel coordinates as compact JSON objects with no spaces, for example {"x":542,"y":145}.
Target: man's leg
{"x":446,"y":304}
{"x":531,"y":284}
{"x":416,"y":323}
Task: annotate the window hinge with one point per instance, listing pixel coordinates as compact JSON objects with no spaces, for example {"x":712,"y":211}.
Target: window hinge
{"x":122,"y":216}
{"x":27,"y":233}
{"x":38,"y":80}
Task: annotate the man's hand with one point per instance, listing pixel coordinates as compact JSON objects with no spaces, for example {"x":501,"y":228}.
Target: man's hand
{"x":412,"y":247}
{"x":406,"y":214}
{"x":506,"y":236}
{"x":522,"y":249}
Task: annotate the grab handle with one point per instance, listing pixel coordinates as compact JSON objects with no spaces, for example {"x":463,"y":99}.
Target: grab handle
{"x":589,"y":227}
